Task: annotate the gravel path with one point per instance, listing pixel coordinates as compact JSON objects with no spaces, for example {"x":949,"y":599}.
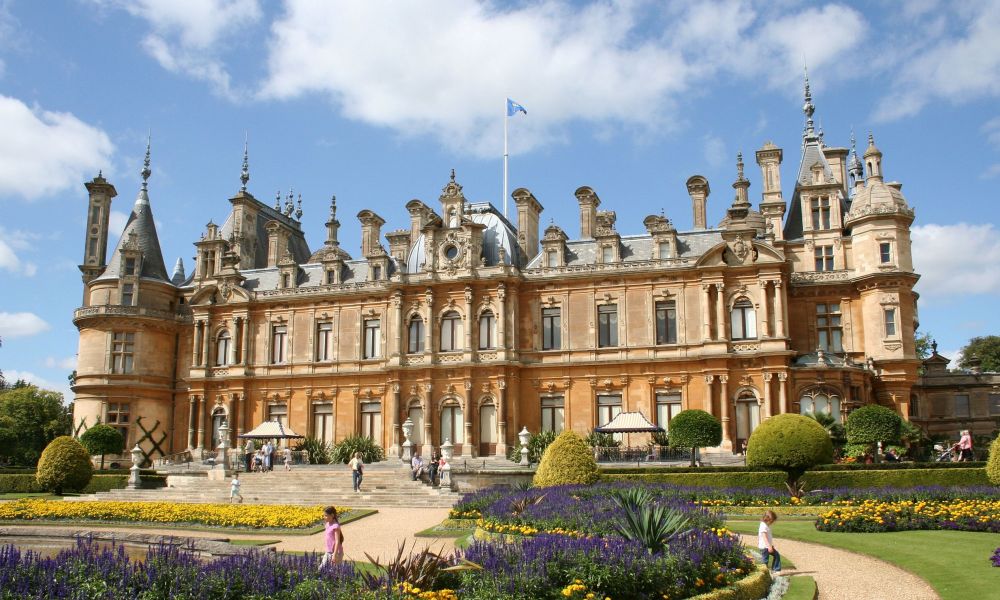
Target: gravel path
{"x":843,"y":575}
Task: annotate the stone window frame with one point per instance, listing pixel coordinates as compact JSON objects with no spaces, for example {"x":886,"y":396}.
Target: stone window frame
{"x":376,"y":350}
{"x":126,"y":352}
{"x":747,"y":308}
{"x":614,"y":332}
{"x":284,"y":357}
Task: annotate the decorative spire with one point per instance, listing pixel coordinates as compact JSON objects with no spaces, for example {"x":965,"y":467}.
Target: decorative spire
{"x":277,"y":201}
{"x":739,"y":167}
{"x":333,"y":206}
{"x":145,"y":164}
{"x":289,"y":202}
{"x":855,"y":167}
{"x":298,"y":212}
{"x":741,"y":204}
{"x":808,"y":108}
{"x":453,"y":175}
{"x":245,"y":174}
{"x":333,"y":224}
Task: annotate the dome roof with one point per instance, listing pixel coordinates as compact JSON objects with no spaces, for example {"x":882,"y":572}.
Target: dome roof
{"x":754,"y":219}
{"x":329,"y":253}
{"x":498,"y":233}
{"x":878,"y":197}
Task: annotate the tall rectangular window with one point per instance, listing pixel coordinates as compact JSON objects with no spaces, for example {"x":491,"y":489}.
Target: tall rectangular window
{"x":607,"y":325}
{"x":608,"y":407}
{"x":487,"y":330}
{"x":607,"y":254}
{"x":371,"y":420}
{"x":373,"y":338}
{"x":331,"y":277}
{"x":118,"y":417}
{"x":279,"y":413}
{"x":962,"y":405}
{"x":95,"y":215}
{"x":667,"y":407}
{"x":415,"y":336}
{"x":128,"y":294}
{"x":551,"y":328}
{"x":92,"y":247}
{"x":324,"y":342}
{"x":323,"y":422}
{"x":279,"y":344}
{"x":889,"y":317}
{"x":828,"y":327}
{"x":663,"y":250}
{"x":743,"y":320}
{"x":552,"y":414}
{"x":885,"y":253}
{"x":824,"y":258}
{"x":122,"y":351}
{"x":994,"y":405}
{"x":551,"y":259}
{"x":451,"y":332}
{"x":130,"y":266}
{"x":666,"y":322}
{"x":821,"y":213}
{"x":376,"y":273}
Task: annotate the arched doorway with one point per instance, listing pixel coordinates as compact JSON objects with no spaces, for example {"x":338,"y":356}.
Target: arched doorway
{"x":487,"y":430}
{"x":747,"y":416}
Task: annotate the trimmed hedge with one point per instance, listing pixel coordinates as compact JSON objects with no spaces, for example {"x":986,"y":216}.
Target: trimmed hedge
{"x":752,"y":587}
{"x":867,"y":478}
{"x":993,"y":464}
{"x":27,"y":484}
{"x":831,"y":467}
{"x":567,"y":460}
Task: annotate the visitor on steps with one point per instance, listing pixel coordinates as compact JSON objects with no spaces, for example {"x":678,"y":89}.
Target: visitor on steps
{"x":357,"y":470}
{"x":234,"y":489}
{"x":250,"y":450}
{"x":334,"y":538}
{"x":765,"y":542}
{"x":417,"y":466}
{"x":432,"y":469}
{"x":288,"y":459}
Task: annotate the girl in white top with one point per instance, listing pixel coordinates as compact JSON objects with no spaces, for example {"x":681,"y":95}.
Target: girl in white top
{"x":765,"y":543}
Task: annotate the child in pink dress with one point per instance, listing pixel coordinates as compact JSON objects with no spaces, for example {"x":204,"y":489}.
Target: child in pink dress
{"x":334,"y":538}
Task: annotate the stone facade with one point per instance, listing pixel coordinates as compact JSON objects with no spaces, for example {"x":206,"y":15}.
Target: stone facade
{"x":945,"y":402}
{"x":474,"y":327}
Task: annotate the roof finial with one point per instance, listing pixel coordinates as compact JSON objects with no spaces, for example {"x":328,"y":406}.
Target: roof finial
{"x":808,"y":107}
{"x":298,"y":212}
{"x":100,"y":173}
{"x":245,"y":174}
{"x":453,"y":175}
{"x":333,"y":206}
{"x":871,"y":139}
{"x":277,"y":201}
{"x":289,"y":202}
{"x":145,"y":163}
{"x":739,"y":167}
{"x":854,"y":149}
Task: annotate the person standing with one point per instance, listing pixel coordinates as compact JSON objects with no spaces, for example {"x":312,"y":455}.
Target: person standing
{"x":334,"y":538}
{"x":765,"y":542}
{"x":234,"y":489}
{"x":357,"y":471}
{"x":432,"y":470}
{"x":288,"y":459}
{"x":249,"y":449}
{"x":965,"y":446}
{"x":268,"y":449}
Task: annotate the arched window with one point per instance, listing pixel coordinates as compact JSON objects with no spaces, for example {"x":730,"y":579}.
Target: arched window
{"x":487,"y":330}
{"x":743,"y":320}
{"x":222,"y":348}
{"x":415,"y":335}
{"x":452,"y":423}
{"x":451,"y":332}
{"x":747,"y":415}
{"x":820,"y":401}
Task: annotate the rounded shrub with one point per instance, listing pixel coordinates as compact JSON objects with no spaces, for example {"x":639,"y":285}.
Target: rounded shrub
{"x":694,"y":429}
{"x":567,"y":460}
{"x":102,"y":439}
{"x":993,"y":463}
{"x":872,"y":424}
{"x":790,"y":442}
{"x":64,"y":466}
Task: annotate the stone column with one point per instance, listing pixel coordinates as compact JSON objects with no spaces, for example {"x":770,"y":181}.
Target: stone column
{"x":767,"y":395}
{"x":470,"y":322}
{"x":232,"y":421}
{"x":502,"y":419}
{"x":427,"y":450}
{"x":467,"y":412}
{"x":502,"y":318}
{"x":429,"y":332}
{"x":240,"y":411}
{"x":205,"y":339}
{"x":720,"y":312}
{"x":782,"y":392}
{"x":706,"y":317}
{"x":724,"y":403}
{"x":779,"y":310}
{"x":397,"y":302}
{"x":708,"y":394}
{"x":245,"y":331}
{"x":763,"y":326}
{"x":191,"y":414}
{"x":201,"y":423}
{"x":234,"y":343}
{"x":394,"y":450}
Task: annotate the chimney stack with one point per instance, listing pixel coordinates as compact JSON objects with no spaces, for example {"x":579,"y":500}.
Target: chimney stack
{"x":371,"y":231}
{"x":588,"y":211}
{"x":528,"y":212}
{"x":698,"y":190}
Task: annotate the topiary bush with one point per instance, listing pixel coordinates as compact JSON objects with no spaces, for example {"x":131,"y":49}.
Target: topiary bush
{"x":344,"y":451}
{"x":102,"y":439}
{"x":792,"y":443}
{"x":873,"y":424}
{"x":64,"y":466}
{"x":694,"y":429}
{"x":568,"y":460}
{"x":993,"y":463}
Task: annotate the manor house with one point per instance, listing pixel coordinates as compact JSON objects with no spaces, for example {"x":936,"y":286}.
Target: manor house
{"x":474,"y":326}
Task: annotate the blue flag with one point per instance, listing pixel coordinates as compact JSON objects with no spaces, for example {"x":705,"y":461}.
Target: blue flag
{"x":513,"y":108}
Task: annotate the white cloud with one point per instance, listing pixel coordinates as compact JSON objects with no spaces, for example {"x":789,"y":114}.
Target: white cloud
{"x":962,"y":256}
{"x":952,"y":68}
{"x":44,"y":152}
{"x":992,"y":130}
{"x":62,"y":363}
{"x":186,"y":34}
{"x":45,"y":384}
{"x":11,"y":244}
{"x":21,"y":324}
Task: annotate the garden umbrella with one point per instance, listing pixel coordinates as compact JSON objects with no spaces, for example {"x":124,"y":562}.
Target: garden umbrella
{"x":271,"y":430}
{"x":628,"y":422}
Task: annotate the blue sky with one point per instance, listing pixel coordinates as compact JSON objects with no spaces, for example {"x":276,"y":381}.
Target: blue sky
{"x":376,"y":101}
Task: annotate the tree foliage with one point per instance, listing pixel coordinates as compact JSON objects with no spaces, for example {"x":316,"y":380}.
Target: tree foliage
{"x":102,"y":439}
{"x":345,"y":450}
{"x":792,"y":443}
{"x":32,"y":418}
{"x":694,"y":429}
{"x":993,"y":463}
{"x":983,"y":351}
{"x":922,"y":344}
{"x":872,"y":424}
{"x":64,"y":466}
{"x":567,"y":460}
{"x":537,"y":443}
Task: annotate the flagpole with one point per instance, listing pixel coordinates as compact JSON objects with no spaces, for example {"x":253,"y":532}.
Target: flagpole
{"x":505,"y":120}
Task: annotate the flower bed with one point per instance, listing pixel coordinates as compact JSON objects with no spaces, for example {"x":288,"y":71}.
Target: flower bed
{"x":877,"y":516}
{"x":255,"y":516}
{"x":995,"y":559}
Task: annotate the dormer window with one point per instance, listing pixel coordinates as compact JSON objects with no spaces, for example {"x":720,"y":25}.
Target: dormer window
{"x":128,"y":294}
{"x":551,"y":259}
{"x":821,"y":213}
{"x":607,"y":254}
{"x":285,"y":280}
{"x":130,"y":266}
{"x":663,"y":250}
{"x":331,"y":277}
{"x":376,"y":273}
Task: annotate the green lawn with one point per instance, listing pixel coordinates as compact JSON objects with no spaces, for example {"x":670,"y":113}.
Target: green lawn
{"x":955,"y":563}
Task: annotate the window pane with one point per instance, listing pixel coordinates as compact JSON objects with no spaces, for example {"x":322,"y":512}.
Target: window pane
{"x":607,"y":254}
{"x":962,"y":405}
{"x":994,"y":404}
{"x":890,"y":321}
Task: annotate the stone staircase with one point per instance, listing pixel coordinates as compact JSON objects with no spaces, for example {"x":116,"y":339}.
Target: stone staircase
{"x":385,"y":484}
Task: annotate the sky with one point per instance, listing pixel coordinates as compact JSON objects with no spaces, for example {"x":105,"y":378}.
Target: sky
{"x":377,"y":101}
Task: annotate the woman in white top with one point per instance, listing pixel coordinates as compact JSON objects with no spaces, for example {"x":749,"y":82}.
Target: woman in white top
{"x":357,"y":470}
{"x":765,"y":543}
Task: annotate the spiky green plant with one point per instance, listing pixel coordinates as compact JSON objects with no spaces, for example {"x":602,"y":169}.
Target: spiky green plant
{"x":652,"y":525}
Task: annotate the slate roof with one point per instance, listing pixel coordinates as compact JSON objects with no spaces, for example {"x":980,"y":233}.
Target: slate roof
{"x":140,"y":222}
{"x":812,"y":153}
{"x":634,"y":248}
{"x":498,"y":233}
{"x":297,"y":245}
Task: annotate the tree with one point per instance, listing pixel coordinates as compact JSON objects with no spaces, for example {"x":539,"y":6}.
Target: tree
{"x":838,"y":435}
{"x":993,"y":462}
{"x":983,"y":352}
{"x":36,"y":417}
{"x":694,"y":429}
{"x":792,"y":443}
{"x":923,"y":345}
{"x":873,"y":424}
{"x":102,"y":439}
{"x":64,"y":466}
{"x":567,"y":460}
